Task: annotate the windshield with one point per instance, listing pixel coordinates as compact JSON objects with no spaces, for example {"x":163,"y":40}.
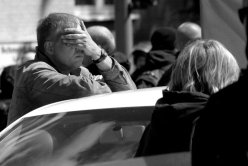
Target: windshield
{"x":75,"y":138}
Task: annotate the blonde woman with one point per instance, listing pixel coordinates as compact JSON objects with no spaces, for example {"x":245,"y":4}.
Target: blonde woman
{"x":202,"y":68}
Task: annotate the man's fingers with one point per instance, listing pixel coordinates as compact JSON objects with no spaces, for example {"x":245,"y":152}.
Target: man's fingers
{"x":74,"y":41}
{"x":79,"y":46}
{"x":72,"y":30}
{"x":68,"y":41}
{"x":82,"y":25}
{"x":74,"y":36}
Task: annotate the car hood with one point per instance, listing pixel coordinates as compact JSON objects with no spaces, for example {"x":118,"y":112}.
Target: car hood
{"x":130,"y":98}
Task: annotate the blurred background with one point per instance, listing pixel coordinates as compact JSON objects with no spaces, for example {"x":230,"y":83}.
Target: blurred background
{"x":134,"y":20}
{"x":132,"y":23}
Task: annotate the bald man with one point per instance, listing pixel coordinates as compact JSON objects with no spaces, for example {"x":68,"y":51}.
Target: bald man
{"x":186,"y":32}
{"x":104,"y":38}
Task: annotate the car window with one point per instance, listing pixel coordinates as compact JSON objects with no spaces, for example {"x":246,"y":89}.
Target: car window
{"x":75,"y":138}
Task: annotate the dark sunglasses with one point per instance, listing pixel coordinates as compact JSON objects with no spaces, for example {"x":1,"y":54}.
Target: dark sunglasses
{"x":243,"y":13}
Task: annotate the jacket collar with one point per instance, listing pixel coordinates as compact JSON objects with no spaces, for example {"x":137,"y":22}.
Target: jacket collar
{"x":184,"y":96}
{"x":44,"y":58}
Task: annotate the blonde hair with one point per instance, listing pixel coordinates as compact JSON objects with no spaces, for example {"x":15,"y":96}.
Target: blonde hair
{"x":204,"y":66}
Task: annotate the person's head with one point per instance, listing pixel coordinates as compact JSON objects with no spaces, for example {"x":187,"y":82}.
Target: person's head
{"x":186,"y":32}
{"x":103,"y":37}
{"x":204,"y":66}
{"x":49,"y":32}
{"x":139,"y":58}
{"x":163,"y":39}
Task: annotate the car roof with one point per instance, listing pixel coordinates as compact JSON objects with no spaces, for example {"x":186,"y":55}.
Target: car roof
{"x":129,"y":98}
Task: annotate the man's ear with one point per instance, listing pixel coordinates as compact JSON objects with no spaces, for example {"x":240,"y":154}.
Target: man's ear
{"x":49,"y":49}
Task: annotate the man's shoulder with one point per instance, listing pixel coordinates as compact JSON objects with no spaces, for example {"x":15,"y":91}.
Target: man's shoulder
{"x":33,"y":69}
{"x":35,"y":65}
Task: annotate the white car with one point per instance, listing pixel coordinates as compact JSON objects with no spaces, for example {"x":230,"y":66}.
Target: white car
{"x":89,"y":130}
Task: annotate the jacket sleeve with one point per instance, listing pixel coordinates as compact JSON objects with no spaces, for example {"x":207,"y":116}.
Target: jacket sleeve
{"x":46,"y":85}
{"x":118,"y":79}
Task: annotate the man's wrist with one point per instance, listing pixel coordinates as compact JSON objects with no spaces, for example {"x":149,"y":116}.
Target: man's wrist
{"x":97,"y":54}
{"x":103,"y":56}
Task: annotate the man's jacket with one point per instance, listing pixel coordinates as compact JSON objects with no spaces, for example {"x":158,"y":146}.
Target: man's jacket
{"x":38,"y":83}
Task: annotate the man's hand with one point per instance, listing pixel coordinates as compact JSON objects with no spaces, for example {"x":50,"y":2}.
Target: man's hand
{"x":81,"y":40}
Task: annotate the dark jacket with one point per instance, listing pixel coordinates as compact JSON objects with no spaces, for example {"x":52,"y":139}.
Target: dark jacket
{"x":38,"y":83}
{"x":158,"y":62}
{"x":172,"y":123}
{"x":7,"y":81}
{"x":221,"y":133}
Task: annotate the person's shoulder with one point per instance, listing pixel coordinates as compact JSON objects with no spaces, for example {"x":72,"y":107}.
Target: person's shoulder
{"x":161,"y":55}
{"x":182,"y":97}
{"x":234,"y":90}
{"x":230,"y":98}
{"x":180,"y":104}
{"x":34,"y":65}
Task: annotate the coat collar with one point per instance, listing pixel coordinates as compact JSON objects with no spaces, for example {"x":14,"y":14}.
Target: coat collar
{"x":44,"y":58}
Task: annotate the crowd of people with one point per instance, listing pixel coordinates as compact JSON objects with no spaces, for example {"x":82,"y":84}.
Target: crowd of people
{"x":204,"y":85}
